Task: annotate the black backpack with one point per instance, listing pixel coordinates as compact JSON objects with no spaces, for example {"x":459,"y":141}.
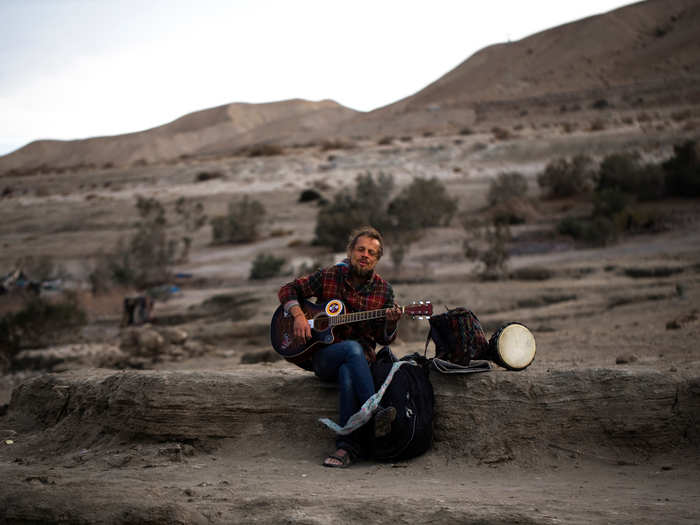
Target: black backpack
{"x":458,"y":337}
{"x":411,"y":394}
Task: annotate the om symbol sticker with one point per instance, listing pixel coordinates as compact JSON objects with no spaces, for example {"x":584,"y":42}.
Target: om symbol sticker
{"x":333,"y":307}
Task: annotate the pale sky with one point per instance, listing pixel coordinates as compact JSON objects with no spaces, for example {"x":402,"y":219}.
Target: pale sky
{"x":82,"y":68}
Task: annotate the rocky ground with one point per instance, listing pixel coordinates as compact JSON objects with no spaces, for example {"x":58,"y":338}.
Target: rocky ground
{"x":193,"y":419}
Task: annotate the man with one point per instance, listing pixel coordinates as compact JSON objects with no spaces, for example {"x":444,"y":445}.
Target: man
{"x":346,"y":361}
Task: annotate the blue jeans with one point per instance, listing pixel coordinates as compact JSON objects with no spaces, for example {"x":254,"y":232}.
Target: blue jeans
{"x":345,"y":363}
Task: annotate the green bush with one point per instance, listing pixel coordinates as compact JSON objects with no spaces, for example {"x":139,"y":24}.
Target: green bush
{"x":516,"y":210}
{"x":598,"y":230}
{"x":571,"y":226}
{"x":566,"y":178}
{"x":329,"y":145}
{"x":204,"y":176}
{"x":146,"y":258}
{"x":366,"y":204}
{"x":532,"y":273}
{"x":624,"y":172}
{"x":423,"y":204}
{"x":309,"y":195}
{"x":39,"y":322}
{"x":682,"y":171}
{"x":486,"y":243}
{"x":263,"y":150}
{"x":336,"y":219}
{"x":610,"y":201}
{"x":266,"y":266}
{"x":240,"y":224}
{"x":507,"y":185}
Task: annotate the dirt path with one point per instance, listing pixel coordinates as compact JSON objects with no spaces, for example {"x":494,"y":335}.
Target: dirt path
{"x":223,"y":487}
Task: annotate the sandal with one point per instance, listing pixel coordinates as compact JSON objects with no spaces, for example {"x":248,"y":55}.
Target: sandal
{"x":342,"y":456}
{"x":383,"y":420}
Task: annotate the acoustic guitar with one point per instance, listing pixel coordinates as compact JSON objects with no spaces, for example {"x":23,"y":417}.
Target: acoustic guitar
{"x":322,"y":319}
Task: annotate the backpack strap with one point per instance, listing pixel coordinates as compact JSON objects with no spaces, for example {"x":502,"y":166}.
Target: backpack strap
{"x":445,"y":367}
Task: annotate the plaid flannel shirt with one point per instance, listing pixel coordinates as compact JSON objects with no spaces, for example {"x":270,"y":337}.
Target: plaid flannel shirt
{"x":334,"y":283}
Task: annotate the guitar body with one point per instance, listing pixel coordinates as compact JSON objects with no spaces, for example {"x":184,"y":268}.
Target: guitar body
{"x":282,"y":330}
{"x":323,"y":319}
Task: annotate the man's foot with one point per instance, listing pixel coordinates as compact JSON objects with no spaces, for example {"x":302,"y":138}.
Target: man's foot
{"x":383,"y":420}
{"x":339,"y":459}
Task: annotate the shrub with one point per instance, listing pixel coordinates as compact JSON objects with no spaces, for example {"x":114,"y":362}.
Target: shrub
{"x":39,"y":322}
{"x":309,"y":195}
{"x":266,"y":266}
{"x":422,"y":204}
{"x":597,"y":125}
{"x":336,"y":219}
{"x":682,"y":171}
{"x":598,"y":230}
{"x":191,"y":218}
{"x":655,"y":272}
{"x":624,"y":173}
{"x":240,"y":224}
{"x":263,"y":150}
{"x":328,"y":145}
{"x":487,"y":244}
{"x":633,"y":219}
{"x":516,"y":210}
{"x":500,"y":133}
{"x":565,"y":178}
{"x":609,"y":201}
{"x":351,"y":209}
{"x":204,"y":176}
{"x":146,"y":258}
{"x":601,"y":231}
{"x":618,"y":171}
{"x":507,"y":185}
{"x":571,"y":226}
{"x":100,"y":274}
{"x":532,"y":273}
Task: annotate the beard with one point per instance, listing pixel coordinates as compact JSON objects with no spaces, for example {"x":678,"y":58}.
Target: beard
{"x":358,"y":271}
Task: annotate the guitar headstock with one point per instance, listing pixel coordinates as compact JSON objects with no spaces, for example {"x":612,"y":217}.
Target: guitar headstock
{"x":419,"y":309}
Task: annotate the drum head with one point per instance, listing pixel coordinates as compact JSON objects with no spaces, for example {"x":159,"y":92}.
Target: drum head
{"x":515,"y":346}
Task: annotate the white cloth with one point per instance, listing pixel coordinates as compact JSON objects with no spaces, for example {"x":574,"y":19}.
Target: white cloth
{"x":369,"y":407}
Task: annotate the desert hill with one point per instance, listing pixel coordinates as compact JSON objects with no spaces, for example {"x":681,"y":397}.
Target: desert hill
{"x":643,"y":44}
{"x":637,"y":58}
{"x":228,"y":127}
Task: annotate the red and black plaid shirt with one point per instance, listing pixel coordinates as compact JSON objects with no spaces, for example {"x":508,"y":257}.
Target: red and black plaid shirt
{"x":334,"y":283}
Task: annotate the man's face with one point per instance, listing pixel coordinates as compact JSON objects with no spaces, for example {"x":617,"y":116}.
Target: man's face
{"x":364,"y":256}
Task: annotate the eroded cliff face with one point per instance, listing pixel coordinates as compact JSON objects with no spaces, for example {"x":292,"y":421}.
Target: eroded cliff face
{"x":103,"y":446}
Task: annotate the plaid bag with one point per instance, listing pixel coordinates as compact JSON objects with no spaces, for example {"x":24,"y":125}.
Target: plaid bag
{"x":458,"y":336}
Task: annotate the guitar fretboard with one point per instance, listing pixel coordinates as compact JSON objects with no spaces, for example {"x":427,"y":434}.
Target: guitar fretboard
{"x":357,"y":316}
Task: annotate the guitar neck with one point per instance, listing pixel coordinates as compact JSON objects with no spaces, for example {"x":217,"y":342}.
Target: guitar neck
{"x":355,"y":317}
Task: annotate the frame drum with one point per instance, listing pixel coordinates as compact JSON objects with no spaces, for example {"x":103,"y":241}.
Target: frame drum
{"x":512,"y":346}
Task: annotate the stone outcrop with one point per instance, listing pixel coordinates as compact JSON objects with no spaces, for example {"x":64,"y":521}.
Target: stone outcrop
{"x":496,"y":416}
